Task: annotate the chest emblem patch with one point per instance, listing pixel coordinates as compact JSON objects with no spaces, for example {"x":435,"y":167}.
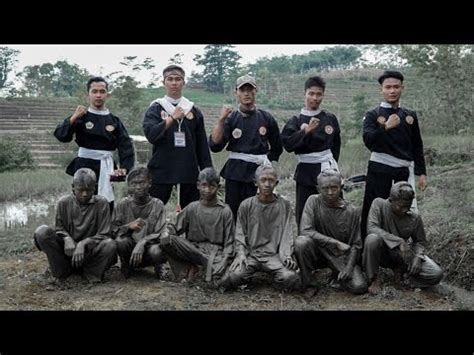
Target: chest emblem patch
{"x":262,"y":130}
{"x":410,"y":119}
{"x":237,"y":133}
{"x":109,"y":128}
{"x":328,"y":129}
{"x":89,"y":125}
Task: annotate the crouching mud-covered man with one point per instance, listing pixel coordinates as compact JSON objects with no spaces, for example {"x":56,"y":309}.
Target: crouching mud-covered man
{"x":397,"y":240}
{"x":203,"y":235}
{"x":80,"y":241}
{"x":264,"y":237}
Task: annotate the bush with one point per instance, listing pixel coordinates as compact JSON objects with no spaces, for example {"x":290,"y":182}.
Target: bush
{"x":14,"y":155}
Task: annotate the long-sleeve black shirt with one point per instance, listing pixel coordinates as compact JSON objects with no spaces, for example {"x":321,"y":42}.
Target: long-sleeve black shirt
{"x":403,"y":141}
{"x":326,"y":136}
{"x":101,"y":132}
{"x":257,"y":133}
{"x":170,"y":164}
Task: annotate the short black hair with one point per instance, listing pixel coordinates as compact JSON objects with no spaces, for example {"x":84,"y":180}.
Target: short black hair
{"x":390,"y":74}
{"x":96,"y":79}
{"x":138,"y":172}
{"x":171,"y":68}
{"x":315,"y":81}
{"x":209,"y":175}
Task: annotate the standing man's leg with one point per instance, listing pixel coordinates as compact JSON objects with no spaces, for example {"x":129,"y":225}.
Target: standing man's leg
{"x":236,"y":192}
{"x":161,"y":191}
{"x":302,"y":194}
{"x":376,"y":185}
{"x":189,"y":193}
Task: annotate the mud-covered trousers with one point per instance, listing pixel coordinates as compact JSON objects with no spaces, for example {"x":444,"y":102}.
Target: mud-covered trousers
{"x":377,"y":253}
{"x":97,"y":259}
{"x":310,"y":257}
{"x":282,"y":277}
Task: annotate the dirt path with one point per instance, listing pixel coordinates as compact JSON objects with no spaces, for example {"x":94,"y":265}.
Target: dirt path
{"x":22,"y":287}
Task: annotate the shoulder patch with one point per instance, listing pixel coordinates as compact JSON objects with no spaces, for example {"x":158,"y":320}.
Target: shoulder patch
{"x":329,"y":129}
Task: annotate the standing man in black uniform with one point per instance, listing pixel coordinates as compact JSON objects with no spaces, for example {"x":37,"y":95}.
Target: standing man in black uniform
{"x":315,"y":138}
{"x":98,"y":135}
{"x":175,"y":127}
{"x":392,"y":134}
{"x":252,"y":137}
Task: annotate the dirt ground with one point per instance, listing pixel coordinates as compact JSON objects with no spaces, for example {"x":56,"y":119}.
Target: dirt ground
{"x":24,"y":286}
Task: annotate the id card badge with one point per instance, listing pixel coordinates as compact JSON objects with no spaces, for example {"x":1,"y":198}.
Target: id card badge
{"x":179,"y":139}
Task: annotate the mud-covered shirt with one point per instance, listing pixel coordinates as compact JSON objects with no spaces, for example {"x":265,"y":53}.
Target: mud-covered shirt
{"x":265,"y":230}
{"x":395,"y":229}
{"x":326,"y":136}
{"x":91,"y":220}
{"x":342,"y":223}
{"x":207,"y":226}
{"x":127,"y":210}
{"x":254,"y":132}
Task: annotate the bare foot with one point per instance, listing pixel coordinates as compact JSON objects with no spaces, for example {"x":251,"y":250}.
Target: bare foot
{"x":375,"y":286}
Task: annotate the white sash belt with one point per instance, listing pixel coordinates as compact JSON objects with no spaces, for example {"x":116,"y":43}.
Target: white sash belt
{"x":251,"y":158}
{"x":325,"y":158}
{"x":106,"y":168}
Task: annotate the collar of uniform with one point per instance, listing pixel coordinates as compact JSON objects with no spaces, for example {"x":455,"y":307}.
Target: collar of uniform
{"x":310,"y":112}
{"x":97,"y":112}
{"x":171,"y":100}
{"x":387,"y":105}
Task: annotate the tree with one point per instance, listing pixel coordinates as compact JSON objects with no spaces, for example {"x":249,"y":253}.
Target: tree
{"x":8,"y":59}
{"x":59,"y":79}
{"x":221,"y":65}
{"x":450,"y":70}
{"x":176,"y":59}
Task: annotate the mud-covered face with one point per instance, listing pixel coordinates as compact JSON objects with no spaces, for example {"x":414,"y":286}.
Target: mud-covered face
{"x":139,"y":186}
{"x":207,"y":190}
{"x":266,"y":183}
{"x":83,"y":192}
{"x":400,"y":207}
{"x":98,"y":94}
{"x":330,"y":189}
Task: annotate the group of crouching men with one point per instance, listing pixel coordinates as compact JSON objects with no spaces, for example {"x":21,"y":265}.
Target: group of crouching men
{"x":87,"y":237}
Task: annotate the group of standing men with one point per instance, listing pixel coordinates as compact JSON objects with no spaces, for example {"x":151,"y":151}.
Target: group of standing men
{"x":253,"y":230}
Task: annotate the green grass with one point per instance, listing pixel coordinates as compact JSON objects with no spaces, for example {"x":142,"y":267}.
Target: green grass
{"x":33,"y":183}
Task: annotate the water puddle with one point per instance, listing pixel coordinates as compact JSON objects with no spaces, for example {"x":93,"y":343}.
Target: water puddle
{"x":18,"y":214}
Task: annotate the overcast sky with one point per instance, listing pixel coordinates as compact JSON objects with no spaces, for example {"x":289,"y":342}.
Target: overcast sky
{"x":104,"y":59}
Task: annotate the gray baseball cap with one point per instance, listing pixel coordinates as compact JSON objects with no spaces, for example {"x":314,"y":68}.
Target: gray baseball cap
{"x":246,"y":79}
